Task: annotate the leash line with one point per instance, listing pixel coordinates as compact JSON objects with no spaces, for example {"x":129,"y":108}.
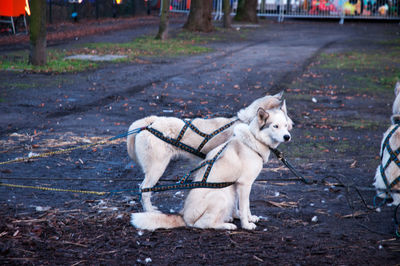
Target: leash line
{"x":99,"y":193}
{"x":62,"y":151}
{"x":281,"y":158}
{"x":352,"y":208}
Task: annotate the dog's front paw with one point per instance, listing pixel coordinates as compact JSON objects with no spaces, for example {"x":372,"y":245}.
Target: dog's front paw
{"x":230,"y":226}
{"x":254,"y":218}
{"x":249,"y":226}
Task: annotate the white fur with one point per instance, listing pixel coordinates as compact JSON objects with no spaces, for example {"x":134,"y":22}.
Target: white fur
{"x":154,"y":155}
{"x":396,"y":103}
{"x":393,"y":171}
{"x":241,"y":162}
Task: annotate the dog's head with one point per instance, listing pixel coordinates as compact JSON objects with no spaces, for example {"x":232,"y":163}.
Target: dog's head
{"x":396,"y":103}
{"x":267,"y":102}
{"x":272,"y":127}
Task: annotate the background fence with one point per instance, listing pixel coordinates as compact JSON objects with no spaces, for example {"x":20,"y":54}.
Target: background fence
{"x":65,"y":10}
{"x":343,"y":9}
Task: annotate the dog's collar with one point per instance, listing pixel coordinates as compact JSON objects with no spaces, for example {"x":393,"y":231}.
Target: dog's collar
{"x":259,"y":143}
{"x":396,"y":121}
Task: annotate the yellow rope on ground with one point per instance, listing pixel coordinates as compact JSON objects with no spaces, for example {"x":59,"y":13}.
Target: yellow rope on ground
{"x":100,"y":193}
{"x":54,"y":152}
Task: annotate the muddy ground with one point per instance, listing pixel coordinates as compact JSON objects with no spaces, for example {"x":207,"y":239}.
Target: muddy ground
{"x":340,"y":113}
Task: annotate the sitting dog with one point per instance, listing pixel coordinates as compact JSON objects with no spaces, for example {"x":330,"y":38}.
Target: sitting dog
{"x":388,"y":173}
{"x":154,"y":154}
{"x":240,"y":162}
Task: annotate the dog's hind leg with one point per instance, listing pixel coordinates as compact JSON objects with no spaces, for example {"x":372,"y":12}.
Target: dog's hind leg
{"x":152,"y":173}
{"x":210,"y":220}
{"x":215,"y":216}
{"x":396,"y":198}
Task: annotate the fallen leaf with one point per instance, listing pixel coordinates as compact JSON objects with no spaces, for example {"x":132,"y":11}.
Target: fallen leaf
{"x":355,"y":214}
{"x":284,"y":204}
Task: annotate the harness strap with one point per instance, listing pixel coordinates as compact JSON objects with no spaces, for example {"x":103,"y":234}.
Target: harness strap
{"x":392,"y":158}
{"x":216,"y":132}
{"x":175,"y":142}
{"x":195,"y":129}
{"x":183,"y":130}
{"x":184,"y":184}
{"x":188,"y":124}
{"x":211,"y":163}
{"x":387,"y":139}
{"x":190,"y":185}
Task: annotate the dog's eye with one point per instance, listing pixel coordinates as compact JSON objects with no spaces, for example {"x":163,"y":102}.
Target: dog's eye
{"x":276,"y":126}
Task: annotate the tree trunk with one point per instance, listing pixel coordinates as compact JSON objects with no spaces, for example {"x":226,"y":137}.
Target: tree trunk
{"x":200,"y":17}
{"x":227,"y":13}
{"x":164,"y":20}
{"x":247,"y":11}
{"x":37,"y":31}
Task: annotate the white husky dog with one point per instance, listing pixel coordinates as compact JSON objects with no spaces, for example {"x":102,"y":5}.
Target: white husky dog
{"x":241,"y":162}
{"x":392,"y":172}
{"x":154,"y":154}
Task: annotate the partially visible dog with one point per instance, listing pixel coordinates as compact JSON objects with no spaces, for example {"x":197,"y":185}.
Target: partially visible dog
{"x":241,"y":162}
{"x":154,"y":155}
{"x":392,"y":172}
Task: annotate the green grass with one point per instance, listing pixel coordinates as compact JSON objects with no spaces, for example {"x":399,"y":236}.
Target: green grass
{"x":374,"y":81}
{"x":140,"y":47}
{"x":361,"y":124}
{"x":55,"y":63}
{"x":358,"y":60}
{"x":147,"y":46}
{"x":364,"y":71}
{"x":395,"y":42}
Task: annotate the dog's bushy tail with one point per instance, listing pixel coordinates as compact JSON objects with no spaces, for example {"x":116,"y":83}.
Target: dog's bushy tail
{"x":130,"y":141}
{"x":155,"y":220}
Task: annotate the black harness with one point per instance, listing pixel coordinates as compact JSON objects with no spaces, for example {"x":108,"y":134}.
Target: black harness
{"x":392,"y":158}
{"x":184,"y":183}
{"x":188,"y":124}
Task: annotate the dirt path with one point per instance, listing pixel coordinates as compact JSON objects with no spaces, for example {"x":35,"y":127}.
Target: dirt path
{"x":339,"y":126}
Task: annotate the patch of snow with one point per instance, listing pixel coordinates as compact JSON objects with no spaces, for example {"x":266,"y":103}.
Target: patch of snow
{"x":89,"y":57}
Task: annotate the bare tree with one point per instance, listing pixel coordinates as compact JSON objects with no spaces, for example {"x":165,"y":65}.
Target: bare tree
{"x":164,"y":21}
{"x":247,"y":11}
{"x":37,"y":31}
{"x":227,"y":13}
{"x":200,"y":16}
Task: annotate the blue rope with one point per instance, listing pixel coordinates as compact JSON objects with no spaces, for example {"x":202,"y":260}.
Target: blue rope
{"x":396,"y":222}
{"x":122,"y":135}
{"x":384,"y":200}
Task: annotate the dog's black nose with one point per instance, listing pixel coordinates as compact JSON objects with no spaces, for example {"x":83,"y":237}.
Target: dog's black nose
{"x":286,"y":137}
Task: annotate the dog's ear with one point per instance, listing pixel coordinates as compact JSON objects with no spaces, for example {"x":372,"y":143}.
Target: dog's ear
{"x":283,"y":107}
{"x":395,"y":119}
{"x":278,"y":95}
{"x":397,"y":88}
{"x":262,"y":116}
